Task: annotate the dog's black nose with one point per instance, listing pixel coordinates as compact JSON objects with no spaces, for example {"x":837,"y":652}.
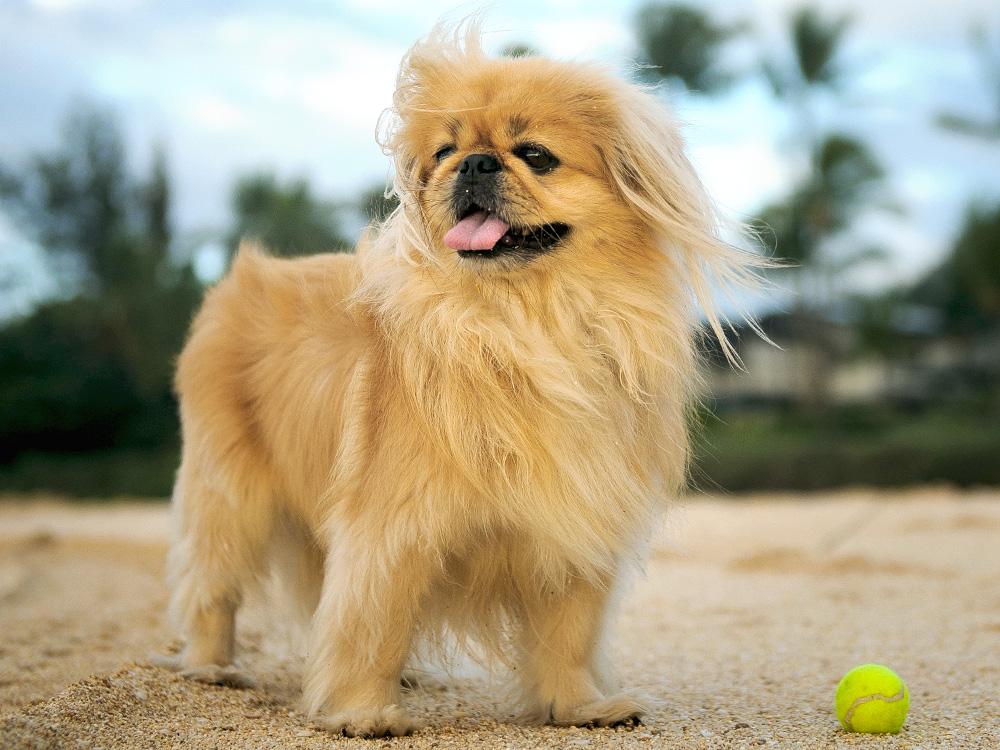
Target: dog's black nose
{"x":479,"y":164}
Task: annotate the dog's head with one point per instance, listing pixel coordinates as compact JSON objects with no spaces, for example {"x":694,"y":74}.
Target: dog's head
{"x":509,"y":160}
{"x":509,"y":164}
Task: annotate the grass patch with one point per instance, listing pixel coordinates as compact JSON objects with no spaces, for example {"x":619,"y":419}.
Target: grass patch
{"x":94,"y":475}
{"x":766,"y":452}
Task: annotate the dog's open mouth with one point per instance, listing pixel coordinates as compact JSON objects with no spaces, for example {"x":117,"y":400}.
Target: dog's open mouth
{"x":482,"y":234}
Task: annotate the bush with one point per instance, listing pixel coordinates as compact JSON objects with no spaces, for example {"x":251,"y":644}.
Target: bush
{"x":753,"y":453}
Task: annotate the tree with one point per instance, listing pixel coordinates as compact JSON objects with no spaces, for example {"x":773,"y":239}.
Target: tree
{"x":816,"y":42}
{"x":156,"y":200}
{"x":93,"y":369}
{"x":683,"y":45}
{"x":286,"y":219}
{"x":842,"y":178}
{"x":965,"y":287}
{"x":74,"y":201}
{"x":827,"y":200}
{"x":840,"y":181}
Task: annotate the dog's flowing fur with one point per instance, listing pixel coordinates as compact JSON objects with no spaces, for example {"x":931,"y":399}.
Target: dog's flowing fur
{"x":459,"y":447}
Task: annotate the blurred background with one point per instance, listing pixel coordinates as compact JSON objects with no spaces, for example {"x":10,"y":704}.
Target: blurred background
{"x":140,"y":140}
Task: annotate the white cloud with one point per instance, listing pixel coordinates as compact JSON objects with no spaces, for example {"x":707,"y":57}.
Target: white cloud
{"x":742,"y":176}
{"x":215,"y":113}
{"x":600,"y":37}
{"x":69,"y":6}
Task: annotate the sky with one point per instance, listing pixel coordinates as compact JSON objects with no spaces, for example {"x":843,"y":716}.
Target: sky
{"x":297,"y":87}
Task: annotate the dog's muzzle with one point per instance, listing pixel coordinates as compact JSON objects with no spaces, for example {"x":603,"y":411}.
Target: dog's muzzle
{"x":477,"y":185}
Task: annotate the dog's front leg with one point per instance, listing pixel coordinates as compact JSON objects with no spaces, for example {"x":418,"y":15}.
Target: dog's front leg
{"x":561,"y":660}
{"x":361,"y":635}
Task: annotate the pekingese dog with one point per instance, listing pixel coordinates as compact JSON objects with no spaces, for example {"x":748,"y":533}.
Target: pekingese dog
{"x":466,"y":428}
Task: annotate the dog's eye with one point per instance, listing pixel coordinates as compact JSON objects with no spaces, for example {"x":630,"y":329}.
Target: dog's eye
{"x":444,"y":151}
{"x":536,"y":157}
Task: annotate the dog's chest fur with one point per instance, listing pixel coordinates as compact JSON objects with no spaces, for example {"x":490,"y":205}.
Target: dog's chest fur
{"x":544,"y":421}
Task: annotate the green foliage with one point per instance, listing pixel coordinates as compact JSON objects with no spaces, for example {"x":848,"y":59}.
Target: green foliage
{"x":816,"y":41}
{"x":286,"y":219}
{"x":518,"y":49}
{"x":815,"y":44}
{"x":85,"y":381}
{"x":683,"y":43}
{"x":866,"y":447}
{"x":975,"y":261}
{"x":75,"y":200}
{"x":94,"y":370}
{"x":844,"y":177}
{"x":95,"y":474}
{"x":61,"y":380}
{"x":156,"y":202}
{"x":965,"y":288}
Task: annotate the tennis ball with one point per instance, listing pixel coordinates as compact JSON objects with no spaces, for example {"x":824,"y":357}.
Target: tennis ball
{"x":872,"y":699}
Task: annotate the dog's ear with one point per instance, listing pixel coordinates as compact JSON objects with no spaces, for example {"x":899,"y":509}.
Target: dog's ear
{"x":648,"y":168}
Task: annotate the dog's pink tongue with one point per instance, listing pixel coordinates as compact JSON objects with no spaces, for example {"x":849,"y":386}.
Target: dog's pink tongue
{"x":478,"y":231}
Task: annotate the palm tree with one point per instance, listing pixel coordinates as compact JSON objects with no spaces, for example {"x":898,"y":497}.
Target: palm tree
{"x":827,"y":201}
{"x":681,"y":44}
{"x":841,"y":177}
{"x":840,"y":181}
{"x":815,"y":43}
{"x":814,"y":66}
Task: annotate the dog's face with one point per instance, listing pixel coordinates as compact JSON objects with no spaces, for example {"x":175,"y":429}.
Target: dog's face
{"x":509,"y":160}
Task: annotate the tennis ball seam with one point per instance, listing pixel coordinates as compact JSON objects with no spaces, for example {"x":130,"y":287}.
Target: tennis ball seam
{"x":868,"y":699}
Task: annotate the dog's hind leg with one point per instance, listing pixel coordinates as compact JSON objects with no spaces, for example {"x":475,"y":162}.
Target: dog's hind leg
{"x":220,"y":547}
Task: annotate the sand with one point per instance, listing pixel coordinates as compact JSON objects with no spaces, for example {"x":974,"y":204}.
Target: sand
{"x":749,"y":612}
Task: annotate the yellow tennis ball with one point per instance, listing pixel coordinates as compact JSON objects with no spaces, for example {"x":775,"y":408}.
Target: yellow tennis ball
{"x":872,"y":699}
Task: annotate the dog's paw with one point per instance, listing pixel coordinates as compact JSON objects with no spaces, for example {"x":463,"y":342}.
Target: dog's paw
{"x":210,"y":674}
{"x":171,"y":662}
{"x":389,"y":721}
{"x":618,"y":710}
{"x":421,"y":680}
{"x":213,"y":674}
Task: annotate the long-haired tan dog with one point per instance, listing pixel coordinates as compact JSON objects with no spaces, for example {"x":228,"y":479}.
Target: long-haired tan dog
{"x":468,"y":426}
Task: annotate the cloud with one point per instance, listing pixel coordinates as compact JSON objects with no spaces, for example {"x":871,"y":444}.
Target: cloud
{"x":215,"y":113}
{"x":63,"y":6}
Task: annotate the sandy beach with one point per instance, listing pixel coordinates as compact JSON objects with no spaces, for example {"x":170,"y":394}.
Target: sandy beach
{"x":749,"y":611}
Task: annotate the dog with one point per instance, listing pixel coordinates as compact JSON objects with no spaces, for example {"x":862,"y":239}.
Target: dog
{"x":466,"y":428}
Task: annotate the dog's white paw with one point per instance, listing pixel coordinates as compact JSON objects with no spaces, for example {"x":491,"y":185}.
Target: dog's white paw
{"x":210,"y":674}
{"x":213,"y":674}
{"x":382,"y":722}
{"x":615,"y":711}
